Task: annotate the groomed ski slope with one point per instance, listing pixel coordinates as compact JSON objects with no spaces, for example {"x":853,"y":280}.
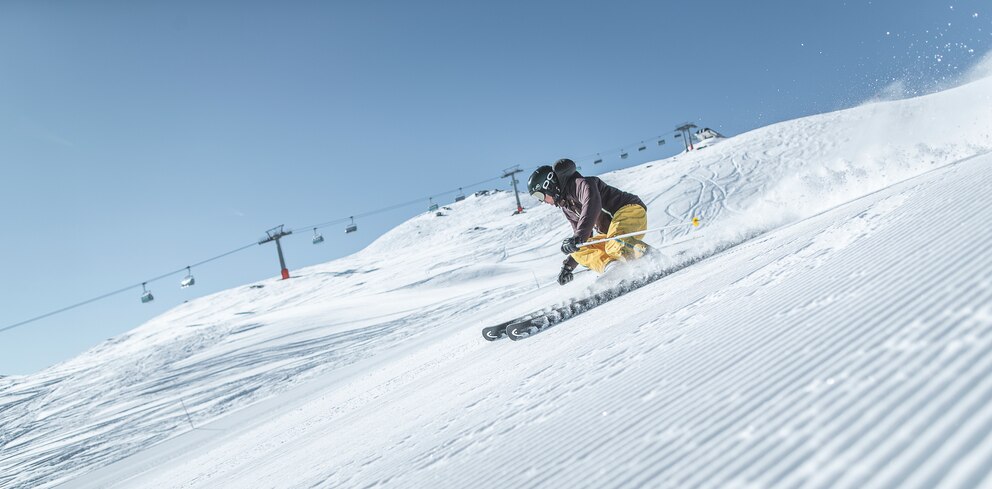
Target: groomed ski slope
{"x":846,"y":346}
{"x":791,"y":360}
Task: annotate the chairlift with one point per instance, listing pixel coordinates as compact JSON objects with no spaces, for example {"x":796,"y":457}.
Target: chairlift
{"x":461,"y":195}
{"x":598,"y":160}
{"x":433,"y":206}
{"x":661,"y":142}
{"x":678,"y":135}
{"x":642,"y":147}
{"x":188,"y":280}
{"x":146,"y":295}
{"x":623,"y":155}
{"x":351,"y":227}
{"x":317,"y":237}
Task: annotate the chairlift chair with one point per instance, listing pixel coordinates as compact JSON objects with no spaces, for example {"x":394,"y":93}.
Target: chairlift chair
{"x":146,"y":295}
{"x":187,"y":281}
{"x":598,"y":160}
{"x":317,"y":237}
{"x":623,"y":155}
{"x":642,"y":147}
{"x":433,"y":206}
{"x":661,"y":142}
{"x":461,"y":195}
{"x":351,"y":227}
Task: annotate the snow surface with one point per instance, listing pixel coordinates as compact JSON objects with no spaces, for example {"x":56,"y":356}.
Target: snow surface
{"x":845,"y":340}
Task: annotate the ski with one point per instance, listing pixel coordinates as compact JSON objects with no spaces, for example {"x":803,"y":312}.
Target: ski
{"x":493,"y":333}
{"x":531,"y":324}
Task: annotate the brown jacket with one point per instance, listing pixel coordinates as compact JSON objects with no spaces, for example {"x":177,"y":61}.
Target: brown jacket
{"x":589,"y":204}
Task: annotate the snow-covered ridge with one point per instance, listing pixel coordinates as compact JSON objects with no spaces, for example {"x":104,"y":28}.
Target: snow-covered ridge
{"x":449,"y":275}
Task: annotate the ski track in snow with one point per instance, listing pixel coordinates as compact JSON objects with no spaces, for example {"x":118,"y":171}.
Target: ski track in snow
{"x":846,"y":349}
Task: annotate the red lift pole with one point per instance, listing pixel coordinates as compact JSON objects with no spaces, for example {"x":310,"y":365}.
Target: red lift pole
{"x":512,"y":173}
{"x":275,"y":234}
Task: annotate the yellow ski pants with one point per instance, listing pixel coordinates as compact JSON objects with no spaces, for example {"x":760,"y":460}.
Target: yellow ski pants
{"x":628,"y":219}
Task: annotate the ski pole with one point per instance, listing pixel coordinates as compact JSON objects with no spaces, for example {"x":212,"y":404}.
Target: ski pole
{"x":694,"y":222}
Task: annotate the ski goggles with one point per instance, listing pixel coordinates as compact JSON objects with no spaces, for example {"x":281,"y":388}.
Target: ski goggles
{"x":541,"y":196}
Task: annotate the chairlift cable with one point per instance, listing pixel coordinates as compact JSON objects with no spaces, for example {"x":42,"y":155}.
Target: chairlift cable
{"x":459,"y":190}
{"x":119,"y":291}
{"x":392,"y":207}
{"x":637,"y":143}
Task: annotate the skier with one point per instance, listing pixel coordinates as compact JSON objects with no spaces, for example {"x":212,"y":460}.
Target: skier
{"x":590,"y":204}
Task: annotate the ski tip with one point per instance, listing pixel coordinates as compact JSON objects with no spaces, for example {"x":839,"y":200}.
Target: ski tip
{"x":517,"y":334}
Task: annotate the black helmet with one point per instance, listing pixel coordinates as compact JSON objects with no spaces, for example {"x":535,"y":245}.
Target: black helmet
{"x":544,"y":182}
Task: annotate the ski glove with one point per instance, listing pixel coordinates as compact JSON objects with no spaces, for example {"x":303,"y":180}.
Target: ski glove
{"x":565,"y":276}
{"x":568,"y":246}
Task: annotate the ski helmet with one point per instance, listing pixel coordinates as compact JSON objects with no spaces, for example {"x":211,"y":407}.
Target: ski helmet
{"x":544,"y":182}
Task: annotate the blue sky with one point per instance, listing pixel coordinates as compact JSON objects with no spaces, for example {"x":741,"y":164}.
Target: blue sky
{"x":139,"y":137}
